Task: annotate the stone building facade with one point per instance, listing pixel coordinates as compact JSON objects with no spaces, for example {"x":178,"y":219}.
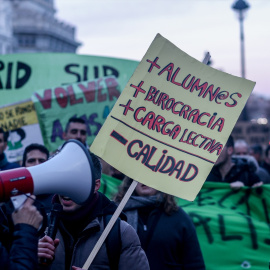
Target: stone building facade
{"x":5,"y":27}
{"x":35,"y":28}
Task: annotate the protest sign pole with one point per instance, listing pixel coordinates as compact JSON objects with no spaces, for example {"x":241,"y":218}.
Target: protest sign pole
{"x":206,"y":58}
{"x":110,"y":225}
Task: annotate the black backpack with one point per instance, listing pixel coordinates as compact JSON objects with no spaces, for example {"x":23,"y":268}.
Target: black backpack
{"x":113,"y":242}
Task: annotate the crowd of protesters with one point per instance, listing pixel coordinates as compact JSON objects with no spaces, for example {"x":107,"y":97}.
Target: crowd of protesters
{"x":139,"y":231}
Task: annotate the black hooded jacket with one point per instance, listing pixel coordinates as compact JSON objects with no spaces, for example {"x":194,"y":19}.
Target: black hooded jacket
{"x":241,"y":171}
{"x":80,"y":230}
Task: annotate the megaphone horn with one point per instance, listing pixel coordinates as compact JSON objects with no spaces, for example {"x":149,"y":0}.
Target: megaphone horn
{"x":68,"y":173}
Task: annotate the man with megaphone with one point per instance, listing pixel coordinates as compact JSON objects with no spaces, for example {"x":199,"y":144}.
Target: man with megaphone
{"x":81,"y":226}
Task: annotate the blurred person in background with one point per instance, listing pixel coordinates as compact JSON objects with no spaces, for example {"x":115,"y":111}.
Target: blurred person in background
{"x":243,"y":151}
{"x":235,"y":171}
{"x":166,"y":232}
{"x":256,"y":151}
{"x":266,"y":162}
{"x":36,"y":154}
{"x":76,"y":129}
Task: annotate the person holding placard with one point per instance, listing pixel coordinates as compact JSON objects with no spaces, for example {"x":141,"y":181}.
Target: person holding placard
{"x":167,"y":233}
{"x":80,"y":228}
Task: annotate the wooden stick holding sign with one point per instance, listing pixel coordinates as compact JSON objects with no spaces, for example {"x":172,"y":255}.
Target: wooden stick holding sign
{"x":206,"y":58}
{"x":119,"y":209}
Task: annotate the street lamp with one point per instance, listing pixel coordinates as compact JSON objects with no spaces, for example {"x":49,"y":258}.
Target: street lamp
{"x":240,"y":6}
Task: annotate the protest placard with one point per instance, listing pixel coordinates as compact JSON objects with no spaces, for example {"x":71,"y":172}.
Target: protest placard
{"x":90,"y":100}
{"x":22,"y":74}
{"x":20,"y":120}
{"x":172,"y":120}
{"x":170,"y":124}
{"x":20,"y":138}
{"x":17,"y":115}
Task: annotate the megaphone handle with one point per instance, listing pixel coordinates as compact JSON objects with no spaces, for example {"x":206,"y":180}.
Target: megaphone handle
{"x":110,"y":225}
{"x":206,"y":58}
{"x":19,"y":200}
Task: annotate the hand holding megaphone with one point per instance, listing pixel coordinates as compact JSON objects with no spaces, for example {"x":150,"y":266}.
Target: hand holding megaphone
{"x":28,"y":214}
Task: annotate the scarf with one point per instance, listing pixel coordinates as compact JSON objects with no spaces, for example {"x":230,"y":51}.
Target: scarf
{"x":136,"y":202}
{"x":76,"y":221}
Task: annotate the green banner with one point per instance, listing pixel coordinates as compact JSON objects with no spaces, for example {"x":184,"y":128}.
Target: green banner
{"x":90,"y":100}
{"x":109,"y":185}
{"x":22,"y":74}
{"x":233,"y":226}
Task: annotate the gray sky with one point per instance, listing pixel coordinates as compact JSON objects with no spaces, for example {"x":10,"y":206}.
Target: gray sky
{"x":126,"y":28}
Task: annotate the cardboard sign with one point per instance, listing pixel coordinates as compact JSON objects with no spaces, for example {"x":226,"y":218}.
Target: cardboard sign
{"x":90,"y":100}
{"x":20,"y":138}
{"x":20,"y":119}
{"x":18,"y":115}
{"x":172,"y":120}
{"x":22,"y":74}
